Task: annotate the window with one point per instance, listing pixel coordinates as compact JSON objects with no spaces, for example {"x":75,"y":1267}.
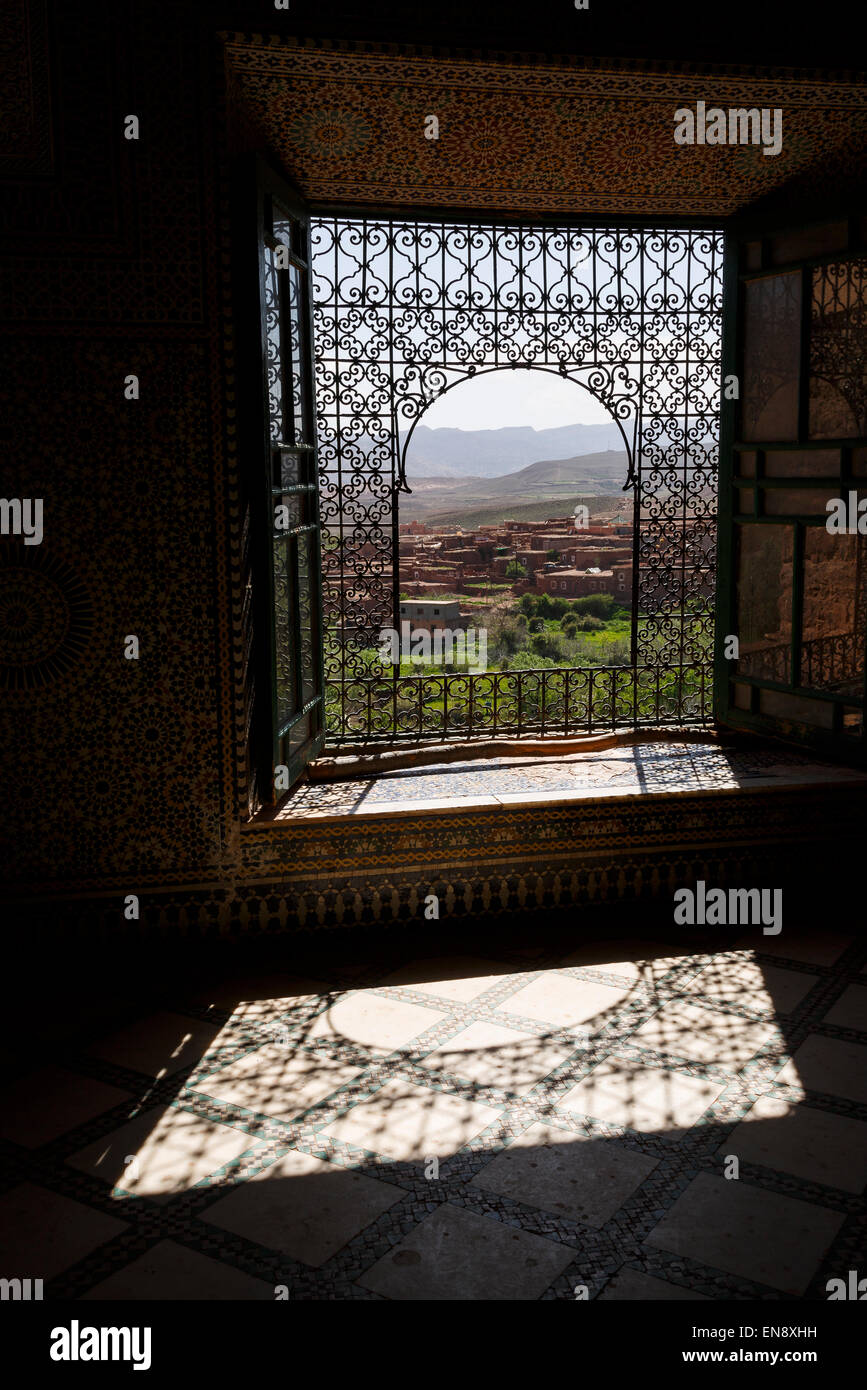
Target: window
{"x":798,"y":600}
{"x":404,"y":311}
{"x":285,"y":675}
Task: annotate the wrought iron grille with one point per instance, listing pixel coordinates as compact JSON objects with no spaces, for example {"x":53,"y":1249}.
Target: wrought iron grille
{"x":404,"y":310}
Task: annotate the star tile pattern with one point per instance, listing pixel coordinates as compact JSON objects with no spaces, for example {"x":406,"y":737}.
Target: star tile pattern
{"x":596,"y":136}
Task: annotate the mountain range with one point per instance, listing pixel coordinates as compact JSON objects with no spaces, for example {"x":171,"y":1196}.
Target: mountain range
{"x":455,"y":453}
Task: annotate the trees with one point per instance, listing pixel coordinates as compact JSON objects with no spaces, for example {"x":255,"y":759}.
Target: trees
{"x":597,"y":605}
{"x":549,"y":645}
{"x":508,"y":637}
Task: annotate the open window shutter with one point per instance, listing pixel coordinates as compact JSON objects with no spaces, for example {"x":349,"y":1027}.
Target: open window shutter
{"x":278,"y":434}
{"x":792,"y":590}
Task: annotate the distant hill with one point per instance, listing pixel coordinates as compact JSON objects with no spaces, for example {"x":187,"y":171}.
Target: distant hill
{"x":549,"y":481}
{"x":559,"y":475}
{"x":453,"y":453}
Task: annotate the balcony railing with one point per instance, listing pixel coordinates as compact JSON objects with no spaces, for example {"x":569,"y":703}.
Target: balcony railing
{"x":827,"y":663}
{"x":831,"y":662}
{"x":556,"y":701}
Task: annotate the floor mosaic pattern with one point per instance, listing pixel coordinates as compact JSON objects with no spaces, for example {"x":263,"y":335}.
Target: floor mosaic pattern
{"x":509,"y":1125}
{"x":629,"y":771}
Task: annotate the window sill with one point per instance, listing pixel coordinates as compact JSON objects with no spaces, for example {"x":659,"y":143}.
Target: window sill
{"x":626,"y":768}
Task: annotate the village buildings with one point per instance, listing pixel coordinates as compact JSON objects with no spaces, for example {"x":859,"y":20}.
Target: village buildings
{"x":548,"y":556}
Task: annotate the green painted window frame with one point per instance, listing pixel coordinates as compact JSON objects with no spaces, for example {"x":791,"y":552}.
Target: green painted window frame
{"x":748,"y":240}
{"x":270,"y":214}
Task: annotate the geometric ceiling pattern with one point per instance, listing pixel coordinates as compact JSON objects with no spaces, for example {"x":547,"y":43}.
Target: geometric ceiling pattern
{"x":583,"y":137}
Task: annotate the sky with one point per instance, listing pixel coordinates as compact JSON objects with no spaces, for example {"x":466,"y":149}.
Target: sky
{"x":519,"y":396}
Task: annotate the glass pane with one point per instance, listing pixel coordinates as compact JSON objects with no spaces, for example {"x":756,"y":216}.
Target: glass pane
{"x":272,"y":346}
{"x":811,"y":241}
{"x":305,"y":607}
{"x":753,"y":255}
{"x":295,"y":355}
{"x":298,"y":735}
{"x":289,"y":511}
{"x":838,"y":351}
{"x":283,"y":635}
{"x":852,"y":723}
{"x":287,"y":228}
{"x":764,"y":579}
{"x":282,"y":224}
{"x":835,"y":606}
{"x":806,"y":463}
{"x":771,"y":357}
{"x":796,"y":501}
{"x":799,"y":709}
{"x":285,"y":339}
{"x":745,"y":499}
{"x":290,"y":470}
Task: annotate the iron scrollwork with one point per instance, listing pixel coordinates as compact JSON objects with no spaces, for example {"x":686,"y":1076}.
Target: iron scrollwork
{"x":404,"y":310}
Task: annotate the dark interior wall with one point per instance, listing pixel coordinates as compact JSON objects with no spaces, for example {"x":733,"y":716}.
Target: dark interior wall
{"x":112,"y":265}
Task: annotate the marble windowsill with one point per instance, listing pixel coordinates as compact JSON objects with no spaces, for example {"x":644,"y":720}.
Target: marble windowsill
{"x":637,"y":770}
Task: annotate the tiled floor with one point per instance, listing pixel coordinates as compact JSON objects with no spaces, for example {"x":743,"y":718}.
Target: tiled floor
{"x":510,"y":1124}
{"x":627,"y":771}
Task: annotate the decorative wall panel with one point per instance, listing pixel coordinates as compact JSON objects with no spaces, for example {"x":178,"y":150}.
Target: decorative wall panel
{"x":581,"y":137}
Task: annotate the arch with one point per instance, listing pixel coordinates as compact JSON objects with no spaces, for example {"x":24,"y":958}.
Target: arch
{"x":473,"y":374}
{"x":407,"y":309}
